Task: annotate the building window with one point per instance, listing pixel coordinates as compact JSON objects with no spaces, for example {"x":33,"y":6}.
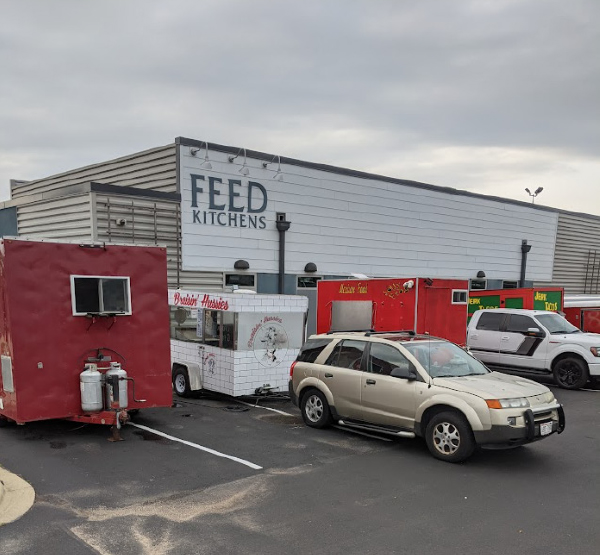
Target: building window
{"x":308,"y":282}
{"x":100,"y":295}
{"x":460,"y":296}
{"x":246,"y":281}
{"x":478,"y":284}
{"x":510,"y":284}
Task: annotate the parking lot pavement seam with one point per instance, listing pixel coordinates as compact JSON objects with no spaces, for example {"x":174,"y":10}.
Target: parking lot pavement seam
{"x":16,"y":497}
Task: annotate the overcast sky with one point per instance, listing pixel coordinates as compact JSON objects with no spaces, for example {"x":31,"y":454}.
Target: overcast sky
{"x":490,"y":96}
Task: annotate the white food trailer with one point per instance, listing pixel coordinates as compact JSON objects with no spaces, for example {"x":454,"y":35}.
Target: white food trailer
{"x":238,"y":343}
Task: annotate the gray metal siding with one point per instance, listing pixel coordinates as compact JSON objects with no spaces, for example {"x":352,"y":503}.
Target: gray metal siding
{"x":65,"y":218}
{"x":149,"y":222}
{"x":152,"y":169}
{"x":577,"y":235}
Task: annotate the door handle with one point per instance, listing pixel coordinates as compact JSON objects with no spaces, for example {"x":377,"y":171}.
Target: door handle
{"x":504,"y":338}
{"x":371,"y":382}
{"x":328,"y":375}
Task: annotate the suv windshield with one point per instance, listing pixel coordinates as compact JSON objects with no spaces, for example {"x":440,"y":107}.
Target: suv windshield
{"x":556,"y":324}
{"x":443,"y":359}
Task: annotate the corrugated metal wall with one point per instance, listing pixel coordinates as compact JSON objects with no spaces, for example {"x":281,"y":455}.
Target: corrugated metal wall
{"x":154,"y":169}
{"x":578,"y":236}
{"x":124,"y":219}
{"x":64,"y":218}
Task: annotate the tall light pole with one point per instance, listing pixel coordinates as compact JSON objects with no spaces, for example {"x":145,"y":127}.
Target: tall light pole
{"x":535,"y":194}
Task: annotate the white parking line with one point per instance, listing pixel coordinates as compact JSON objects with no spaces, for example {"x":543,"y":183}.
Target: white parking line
{"x":196,"y":446}
{"x":266,"y":408}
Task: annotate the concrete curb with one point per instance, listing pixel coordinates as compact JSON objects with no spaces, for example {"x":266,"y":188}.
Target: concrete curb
{"x":16,"y":497}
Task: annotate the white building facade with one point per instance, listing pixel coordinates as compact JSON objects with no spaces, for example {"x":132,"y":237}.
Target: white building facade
{"x":232,"y":217}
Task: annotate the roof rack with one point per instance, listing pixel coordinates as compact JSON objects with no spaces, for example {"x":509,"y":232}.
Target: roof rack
{"x":369,"y":331}
{"x":373,"y":332}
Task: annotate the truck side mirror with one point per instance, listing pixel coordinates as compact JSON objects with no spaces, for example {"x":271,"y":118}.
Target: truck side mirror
{"x":535,"y":332}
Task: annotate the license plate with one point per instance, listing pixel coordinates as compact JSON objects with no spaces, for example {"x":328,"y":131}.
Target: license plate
{"x":545,"y":428}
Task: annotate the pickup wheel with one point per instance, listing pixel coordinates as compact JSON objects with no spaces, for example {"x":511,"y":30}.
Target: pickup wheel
{"x":449,"y":437}
{"x":571,"y":373}
{"x":315,"y":409}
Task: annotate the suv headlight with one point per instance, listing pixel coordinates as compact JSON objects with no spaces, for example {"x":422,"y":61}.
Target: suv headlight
{"x":595,"y":351}
{"x":516,"y":403}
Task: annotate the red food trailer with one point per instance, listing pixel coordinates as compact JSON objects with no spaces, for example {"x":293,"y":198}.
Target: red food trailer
{"x":84,"y":331}
{"x":531,"y":298}
{"x":583,"y":311}
{"x":434,"y":306}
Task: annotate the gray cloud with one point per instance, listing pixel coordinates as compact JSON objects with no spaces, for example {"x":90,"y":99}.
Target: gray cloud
{"x":485,"y":95}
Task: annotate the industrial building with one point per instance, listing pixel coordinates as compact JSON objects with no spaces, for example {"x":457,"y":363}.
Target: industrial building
{"x":232,"y":217}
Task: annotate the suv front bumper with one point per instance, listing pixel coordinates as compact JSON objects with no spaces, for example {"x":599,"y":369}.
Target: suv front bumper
{"x":509,"y":436}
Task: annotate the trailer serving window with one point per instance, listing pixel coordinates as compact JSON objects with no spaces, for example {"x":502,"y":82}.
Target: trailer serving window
{"x":104,"y":295}
{"x":215,"y":327}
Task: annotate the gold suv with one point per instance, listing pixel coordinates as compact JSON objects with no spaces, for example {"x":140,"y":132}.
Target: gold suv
{"x":412,"y":385}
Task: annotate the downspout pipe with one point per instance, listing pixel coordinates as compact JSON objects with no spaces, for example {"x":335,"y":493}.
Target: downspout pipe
{"x":282,"y":226}
{"x":525,"y":248}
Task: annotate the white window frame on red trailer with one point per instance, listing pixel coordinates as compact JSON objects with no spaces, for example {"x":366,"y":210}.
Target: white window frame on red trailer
{"x":248,"y":365}
{"x":125,"y":279}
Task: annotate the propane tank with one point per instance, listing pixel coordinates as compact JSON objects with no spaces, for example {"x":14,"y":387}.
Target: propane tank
{"x":115,"y":387}
{"x":90,"y":383}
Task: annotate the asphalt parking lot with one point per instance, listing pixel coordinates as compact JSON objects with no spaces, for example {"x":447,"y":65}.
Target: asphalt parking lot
{"x":234,"y":478}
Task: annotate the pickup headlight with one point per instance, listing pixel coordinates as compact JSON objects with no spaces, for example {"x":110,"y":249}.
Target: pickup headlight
{"x":595,"y":351}
{"x":516,"y":403}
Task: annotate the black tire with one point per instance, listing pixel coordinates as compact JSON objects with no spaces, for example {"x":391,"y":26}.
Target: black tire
{"x":571,"y":373}
{"x":449,"y":437}
{"x":315,"y":409}
{"x":3,"y":421}
{"x":181,"y":382}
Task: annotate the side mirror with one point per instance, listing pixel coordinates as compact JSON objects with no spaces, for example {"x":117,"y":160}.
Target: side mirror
{"x":535,"y":332}
{"x":406,"y":373}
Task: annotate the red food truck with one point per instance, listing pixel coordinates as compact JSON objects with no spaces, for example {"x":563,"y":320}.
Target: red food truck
{"x":84,"y":331}
{"x":583,"y":311}
{"x":434,"y":306}
{"x":531,"y":298}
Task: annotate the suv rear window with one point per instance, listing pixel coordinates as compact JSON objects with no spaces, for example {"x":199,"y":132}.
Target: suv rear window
{"x":312,"y":349}
{"x":348,"y":354}
{"x":490,"y":321}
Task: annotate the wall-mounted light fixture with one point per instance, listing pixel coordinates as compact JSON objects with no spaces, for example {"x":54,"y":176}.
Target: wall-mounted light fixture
{"x":481,"y":274}
{"x":244,"y":169}
{"x":241,"y":265}
{"x":310,"y":268}
{"x":278,"y":176}
{"x":206,"y":163}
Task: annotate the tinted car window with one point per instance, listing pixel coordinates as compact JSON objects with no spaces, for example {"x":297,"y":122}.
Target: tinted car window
{"x":348,"y":354}
{"x":312,"y":349}
{"x":383,"y":359}
{"x":490,"y":321}
{"x":520,"y":324}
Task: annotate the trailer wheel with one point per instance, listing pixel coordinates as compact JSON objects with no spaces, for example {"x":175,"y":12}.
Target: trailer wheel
{"x":181,"y":382}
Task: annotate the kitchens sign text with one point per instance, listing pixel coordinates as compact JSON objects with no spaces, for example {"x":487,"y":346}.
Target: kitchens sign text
{"x":243,"y":209}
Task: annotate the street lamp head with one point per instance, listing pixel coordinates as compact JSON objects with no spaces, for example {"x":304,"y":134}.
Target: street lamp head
{"x":539,"y":190}
{"x":527,"y":190}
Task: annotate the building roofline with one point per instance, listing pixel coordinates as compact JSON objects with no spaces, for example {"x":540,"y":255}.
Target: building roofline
{"x":184,"y":141}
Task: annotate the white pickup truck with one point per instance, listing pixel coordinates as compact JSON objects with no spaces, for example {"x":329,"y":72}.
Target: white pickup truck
{"x":534,"y":341}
